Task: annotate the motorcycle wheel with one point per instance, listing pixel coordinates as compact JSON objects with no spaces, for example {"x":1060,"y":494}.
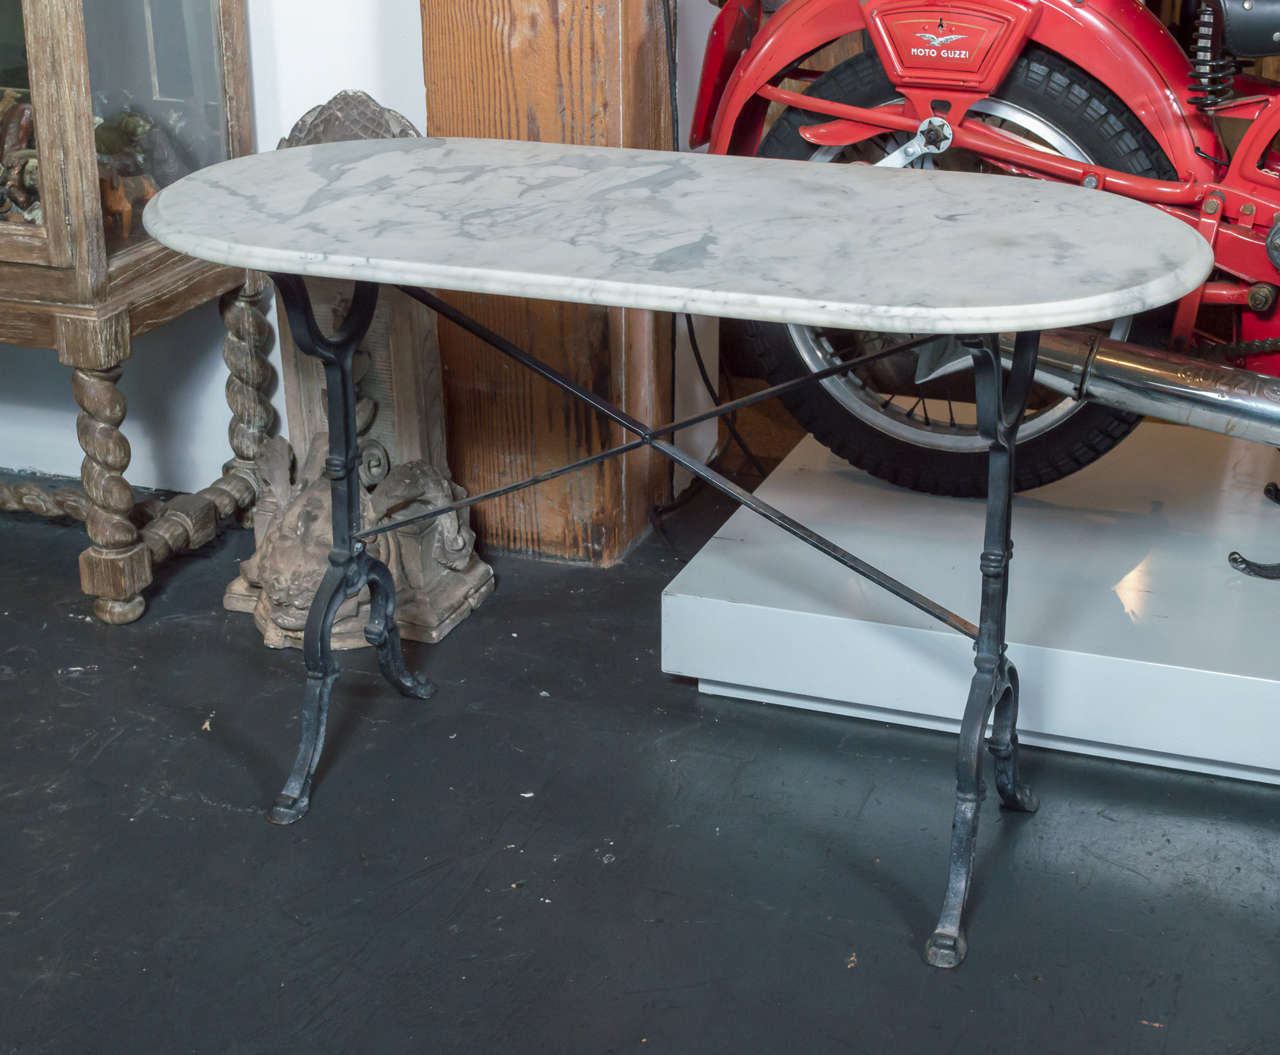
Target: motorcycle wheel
{"x":923,"y":436}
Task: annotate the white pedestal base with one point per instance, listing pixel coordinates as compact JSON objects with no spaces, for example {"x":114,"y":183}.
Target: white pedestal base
{"x":1133,"y":637}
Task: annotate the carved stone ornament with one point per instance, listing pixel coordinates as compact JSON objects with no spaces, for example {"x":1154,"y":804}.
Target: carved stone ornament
{"x":348,"y":115}
{"x":403,"y":465}
{"x":439,"y":579}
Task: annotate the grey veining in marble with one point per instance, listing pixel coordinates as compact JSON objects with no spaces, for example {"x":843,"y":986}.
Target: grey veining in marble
{"x":885,"y":249}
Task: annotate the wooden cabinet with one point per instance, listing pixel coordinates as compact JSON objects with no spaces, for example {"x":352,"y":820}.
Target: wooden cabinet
{"x":566,"y":71}
{"x":101,"y":103}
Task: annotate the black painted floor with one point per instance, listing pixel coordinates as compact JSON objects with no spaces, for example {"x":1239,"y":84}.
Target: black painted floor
{"x":566,"y":851}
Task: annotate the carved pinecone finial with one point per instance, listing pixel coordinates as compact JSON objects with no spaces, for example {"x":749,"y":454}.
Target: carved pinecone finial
{"x":348,"y":115}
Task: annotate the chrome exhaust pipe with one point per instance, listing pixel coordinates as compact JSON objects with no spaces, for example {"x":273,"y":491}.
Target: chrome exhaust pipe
{"x":1158,"y":384}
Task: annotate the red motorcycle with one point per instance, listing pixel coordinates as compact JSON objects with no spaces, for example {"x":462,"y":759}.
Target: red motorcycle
{"x":1093,"y":92}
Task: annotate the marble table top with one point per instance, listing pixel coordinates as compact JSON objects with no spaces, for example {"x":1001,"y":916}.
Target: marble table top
{"x":903,"y":250}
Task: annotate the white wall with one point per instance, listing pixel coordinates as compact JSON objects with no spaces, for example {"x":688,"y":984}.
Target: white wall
{"x":301,"y":52}
{"x":694,"y":19}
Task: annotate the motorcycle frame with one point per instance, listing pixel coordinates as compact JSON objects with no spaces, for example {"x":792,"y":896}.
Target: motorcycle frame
{"x":1234,"y":204}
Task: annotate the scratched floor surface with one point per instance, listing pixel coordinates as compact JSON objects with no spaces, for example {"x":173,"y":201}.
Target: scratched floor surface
{"x":566,"y":851}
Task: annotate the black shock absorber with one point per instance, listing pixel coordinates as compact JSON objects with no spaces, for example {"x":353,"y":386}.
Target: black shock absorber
{"x":1212,"y":70}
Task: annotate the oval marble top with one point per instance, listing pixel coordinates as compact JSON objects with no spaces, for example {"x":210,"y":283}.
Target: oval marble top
{"x":904,"y":250}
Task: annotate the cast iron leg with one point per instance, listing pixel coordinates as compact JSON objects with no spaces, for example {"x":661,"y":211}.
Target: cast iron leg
{"x":1257,"y":569}
{"x":995,"y":682}
{"x":384,"y":635}
{"x":322,"y":672}
{"x":1003,"y":746}
{"x":350,"y":567}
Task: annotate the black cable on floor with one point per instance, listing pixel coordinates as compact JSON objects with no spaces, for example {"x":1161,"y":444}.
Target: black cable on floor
{"x":728,"y":420}
{"x":669,"y":27}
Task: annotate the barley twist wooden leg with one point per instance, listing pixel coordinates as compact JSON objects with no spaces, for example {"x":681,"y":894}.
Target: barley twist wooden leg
{"x":249,"y":337}
{"x":189,"y":521}
{"x":28,"y":497}
{"x":116,"y":567}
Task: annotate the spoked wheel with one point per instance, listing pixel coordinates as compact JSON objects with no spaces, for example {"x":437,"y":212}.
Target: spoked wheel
{"x":910,"y":418}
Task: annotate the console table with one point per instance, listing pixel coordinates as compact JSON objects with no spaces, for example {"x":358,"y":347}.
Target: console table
{"x":914,"y":252}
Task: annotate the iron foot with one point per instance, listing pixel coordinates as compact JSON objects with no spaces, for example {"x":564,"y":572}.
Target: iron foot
{"x":288,"y":809}
{"x":945,"y":950}
{"x":417,"y":687}
{"x":1258,"y":570}
{"x":391,"y":661}
{"x":1020,"y":800}
{"x":1003,"y":745}
{"x":383,"y":634}
{"x":294,"y":799}
{"x":1014,"y":794}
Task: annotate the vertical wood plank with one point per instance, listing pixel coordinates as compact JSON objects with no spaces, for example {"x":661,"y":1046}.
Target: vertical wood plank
{"x":64,"y":137}
{"x":569,"y":71}
{"x":233,"y":36}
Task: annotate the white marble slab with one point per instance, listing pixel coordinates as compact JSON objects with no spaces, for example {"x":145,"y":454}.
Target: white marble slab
{"x":900,"y":250}
{"x":1133,"y":637}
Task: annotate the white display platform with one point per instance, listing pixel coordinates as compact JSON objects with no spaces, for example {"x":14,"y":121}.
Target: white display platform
{"x":1133,"y":637}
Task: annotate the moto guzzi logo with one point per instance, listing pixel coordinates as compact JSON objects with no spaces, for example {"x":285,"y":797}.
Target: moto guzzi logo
{"x":938,"y":42}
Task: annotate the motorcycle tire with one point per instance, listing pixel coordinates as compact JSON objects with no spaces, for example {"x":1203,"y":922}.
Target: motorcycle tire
{"x":1057,"y":99}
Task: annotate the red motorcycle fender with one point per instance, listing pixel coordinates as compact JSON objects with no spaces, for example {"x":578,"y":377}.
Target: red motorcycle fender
{"x":800,"y":28}
{"x":1119,"y":42}
{"x":1122,"y":44}
{"x":731,"y":35}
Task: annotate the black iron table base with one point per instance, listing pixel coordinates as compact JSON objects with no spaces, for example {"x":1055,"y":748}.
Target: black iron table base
{"x":995,"y":680}
{"x":350,"y":566}
{"x":993,"y":693}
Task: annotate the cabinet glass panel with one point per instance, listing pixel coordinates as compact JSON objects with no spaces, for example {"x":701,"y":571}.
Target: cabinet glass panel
{"x":19,"y":167}
{"x":155,"y":74}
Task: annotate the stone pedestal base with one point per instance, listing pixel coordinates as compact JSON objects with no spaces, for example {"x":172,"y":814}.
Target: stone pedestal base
{"x":422,"y":615}
{"x":439,"y":579}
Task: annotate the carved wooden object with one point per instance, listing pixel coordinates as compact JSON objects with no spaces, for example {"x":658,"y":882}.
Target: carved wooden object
{"x":65,"y":288}
{"x":26,"y":496}
{"x":439,"y":579}
{"x":571,"y":71}
{"x":248,"y":341}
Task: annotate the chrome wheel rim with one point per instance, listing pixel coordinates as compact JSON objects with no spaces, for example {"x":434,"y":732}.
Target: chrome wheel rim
{"x":942,"y":424}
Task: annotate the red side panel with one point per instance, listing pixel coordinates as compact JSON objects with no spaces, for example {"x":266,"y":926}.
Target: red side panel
{"x":731,"y":34}
{"x":949,"y":43}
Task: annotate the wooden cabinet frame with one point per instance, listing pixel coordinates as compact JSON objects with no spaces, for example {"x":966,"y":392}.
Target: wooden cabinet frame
{"x":63,"y":291}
